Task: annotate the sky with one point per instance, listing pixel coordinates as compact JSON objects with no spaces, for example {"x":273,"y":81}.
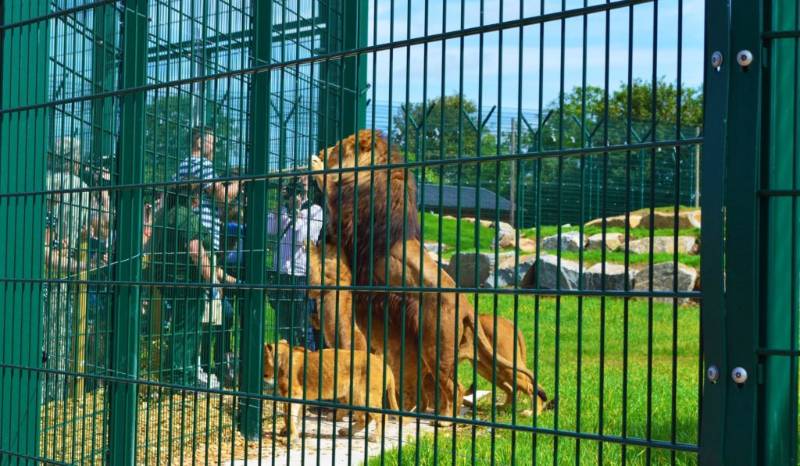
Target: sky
{"x":496,"y":76}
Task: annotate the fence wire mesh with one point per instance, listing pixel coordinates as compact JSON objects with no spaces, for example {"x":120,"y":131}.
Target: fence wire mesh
{"x":241,"y":229}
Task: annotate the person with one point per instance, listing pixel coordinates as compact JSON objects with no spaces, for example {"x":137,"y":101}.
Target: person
{"x":180,"y":252}
{"x":299,"y":221}
{"x":65,"y":227}
{"x":198,"y":169}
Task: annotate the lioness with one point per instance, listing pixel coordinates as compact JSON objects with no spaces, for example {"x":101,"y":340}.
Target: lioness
{"x":337,"y":325}
{"x":306,"y":372}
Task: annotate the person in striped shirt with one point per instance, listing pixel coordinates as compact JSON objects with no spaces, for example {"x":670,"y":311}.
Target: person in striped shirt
{"x":198,"y":171}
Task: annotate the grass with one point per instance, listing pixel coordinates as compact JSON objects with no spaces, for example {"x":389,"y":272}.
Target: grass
{"x":450,"y":234}
{"x":583,"y":339}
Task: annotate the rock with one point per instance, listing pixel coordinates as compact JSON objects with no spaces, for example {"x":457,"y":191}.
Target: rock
{"x":613,"y":241}
{"x":693,"y":218}
{"x":526,"y":245}
{"x":550,"y":274}
{"x":570,"y":241}
{"x":468,"y":262}
{"x":663,"y":279}
{"x":661,"y":219}
{"x":664,"y":244}
{"x":435,"y":248}
{"x":615,"y":277}
{"x":507,"y":241}
{"x":616,"y":221}
{"x":505,"y":271}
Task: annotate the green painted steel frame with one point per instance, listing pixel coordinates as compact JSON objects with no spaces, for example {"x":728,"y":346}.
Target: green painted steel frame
{"x":748,"y":321}
{"x":778,"y":396}
{"x":24,"y":82}
{"x":253,"y":315}
{"x":130,"y":165}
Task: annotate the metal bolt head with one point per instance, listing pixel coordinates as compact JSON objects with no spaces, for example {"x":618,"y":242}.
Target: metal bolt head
{"x":744,"y":58}
{"x":712,"y":373}
{"x":716,"y":59}
{"x":739,"y":375}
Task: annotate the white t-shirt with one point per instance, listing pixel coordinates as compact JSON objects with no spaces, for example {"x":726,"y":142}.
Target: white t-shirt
{"x":292,"y":254}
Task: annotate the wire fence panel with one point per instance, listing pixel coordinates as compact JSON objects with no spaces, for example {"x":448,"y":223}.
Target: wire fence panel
{"x":352,"y":232}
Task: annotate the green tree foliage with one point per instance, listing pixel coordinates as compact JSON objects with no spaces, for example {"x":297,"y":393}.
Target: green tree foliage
{"x":586,"y":117}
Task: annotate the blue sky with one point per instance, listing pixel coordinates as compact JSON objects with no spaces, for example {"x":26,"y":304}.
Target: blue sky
{"x":500,"y":67}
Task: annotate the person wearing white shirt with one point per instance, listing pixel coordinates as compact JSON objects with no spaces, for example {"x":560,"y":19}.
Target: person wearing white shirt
{"x":298,"y":222}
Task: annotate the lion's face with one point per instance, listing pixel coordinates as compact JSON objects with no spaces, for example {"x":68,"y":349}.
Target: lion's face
{"x":347,"y":154}
{"x":270,"y":367}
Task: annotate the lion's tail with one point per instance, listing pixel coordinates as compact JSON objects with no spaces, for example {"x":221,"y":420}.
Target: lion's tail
{"x":485,"y":346}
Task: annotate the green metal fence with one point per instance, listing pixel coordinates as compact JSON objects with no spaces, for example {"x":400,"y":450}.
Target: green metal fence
{"x":179,"y":193}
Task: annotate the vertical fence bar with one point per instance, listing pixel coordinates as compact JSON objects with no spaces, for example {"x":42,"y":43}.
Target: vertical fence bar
{"x":779,"y":393}
{"x":741,"y":248}
{"x":125,"y":329}
{"x":23,"y":139}
{"x":354,"y":108}
{"x":103,"y":71}
{"x":255,"y":260}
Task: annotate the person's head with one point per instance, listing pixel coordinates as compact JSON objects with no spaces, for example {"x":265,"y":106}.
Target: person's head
{"x":203,"y":142}
{"x":66,"y":155}
{"x":294,"y":192}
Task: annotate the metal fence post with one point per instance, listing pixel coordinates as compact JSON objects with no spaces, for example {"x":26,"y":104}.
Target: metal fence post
{"x":23,"y":137}
{"x":715,"y":91}
{"x":779,"y":352}
{"x":255,"y":239}
{"x":103,"y":71}
{"x":354,"y":82}
{"x":130,"y":164}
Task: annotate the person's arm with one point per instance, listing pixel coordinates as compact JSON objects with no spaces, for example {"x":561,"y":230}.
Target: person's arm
{"x":198,"y":255}
{"x":223,"y":192}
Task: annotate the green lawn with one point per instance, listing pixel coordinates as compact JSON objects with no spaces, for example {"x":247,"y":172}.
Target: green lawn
{"x":569,"y":340}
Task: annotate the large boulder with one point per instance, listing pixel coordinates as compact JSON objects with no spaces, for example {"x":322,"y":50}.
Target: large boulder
{"x":506,"y":269}
{"x":467,"y":263}
{"x":664,"y":244}
{"x":613,"y":241}
{"x":570,"y":241}
{"x":664,"y":275}
{"x":666,"y":219}
{"x":615,"y":277}
{"x":617,"y":221}
{"x":526,"y":245}
{"x":550,"y":274}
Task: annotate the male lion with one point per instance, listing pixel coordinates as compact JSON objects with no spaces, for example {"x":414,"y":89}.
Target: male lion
{"x":296,"y":368}
{"x":505,"y":377}
{"x":373,"y":215}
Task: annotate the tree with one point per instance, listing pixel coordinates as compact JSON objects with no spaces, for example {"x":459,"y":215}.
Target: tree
{"x":444,"y":128}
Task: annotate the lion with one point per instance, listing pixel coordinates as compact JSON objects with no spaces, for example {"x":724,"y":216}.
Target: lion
{"x":331,"y":381}
{"x":330,"y":303}
{"x":505,"y":377}
{"x":375,"y":219}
